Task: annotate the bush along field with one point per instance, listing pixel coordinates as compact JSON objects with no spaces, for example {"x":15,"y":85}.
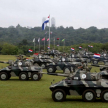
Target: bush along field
{"x":36,"y":94}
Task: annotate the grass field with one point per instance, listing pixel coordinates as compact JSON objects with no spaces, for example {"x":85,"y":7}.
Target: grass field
{"x":36,"y":94}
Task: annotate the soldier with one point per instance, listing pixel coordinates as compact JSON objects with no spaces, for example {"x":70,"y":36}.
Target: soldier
{"x":83,"y":66}
{"x":20,"y":62}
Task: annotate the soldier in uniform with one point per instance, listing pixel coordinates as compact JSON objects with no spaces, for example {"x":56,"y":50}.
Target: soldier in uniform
{"x":20,"y":62}
{"x":83,"y":66}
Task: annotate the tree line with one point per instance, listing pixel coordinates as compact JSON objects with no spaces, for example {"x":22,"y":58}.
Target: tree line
{"x":72,"y":36}
{"x":10,"y":49}
{"x":17,"y":40}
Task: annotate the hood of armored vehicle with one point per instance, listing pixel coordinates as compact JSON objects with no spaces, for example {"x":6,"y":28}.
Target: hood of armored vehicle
{"x":60,"y":83}
{"x":36,"y":68}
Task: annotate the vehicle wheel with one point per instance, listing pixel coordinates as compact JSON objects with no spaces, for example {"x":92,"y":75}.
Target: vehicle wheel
{"x":50,"y":69}
{"x":104,"y":96}
{"x":95,"y":62}
{"x":35,"y":76}
{"x":43,"y":65}
{"x":89,"y":96}
{"x":66,"y":70}
{"x":23,"y":76}
{"x":58,"y":95}
{"x":3,"y":76}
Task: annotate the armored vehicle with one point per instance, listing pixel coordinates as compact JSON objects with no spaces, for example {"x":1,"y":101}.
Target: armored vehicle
{"x":100,"y":59}
{"x":78,"y":58}
{"x":89,"y":85}
{"x":42,"y":61}
{"x":24,"y":69}
{"x":53,"y":53}
{"x":62,"y":64}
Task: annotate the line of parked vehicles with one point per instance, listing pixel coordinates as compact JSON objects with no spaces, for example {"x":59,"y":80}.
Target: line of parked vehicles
{"x":77,"y":82}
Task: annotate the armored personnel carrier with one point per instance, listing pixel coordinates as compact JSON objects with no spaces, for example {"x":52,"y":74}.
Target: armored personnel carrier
{"x":42,"y":60}
{"x":89,"y":85}
{"x":62,"y":64}
{"x":22,"y":68}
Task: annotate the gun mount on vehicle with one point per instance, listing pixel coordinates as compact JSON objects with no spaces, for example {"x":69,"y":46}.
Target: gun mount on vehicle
{"x":89,"y":85}
{"x":22,"y":68}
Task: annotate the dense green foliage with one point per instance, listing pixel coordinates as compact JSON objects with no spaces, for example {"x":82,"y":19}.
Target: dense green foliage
{"x":17,"y":40}
{"x":72,"y":36}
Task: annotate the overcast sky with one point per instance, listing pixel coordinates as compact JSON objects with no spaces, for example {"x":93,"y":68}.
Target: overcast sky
{"x":76,"y":13}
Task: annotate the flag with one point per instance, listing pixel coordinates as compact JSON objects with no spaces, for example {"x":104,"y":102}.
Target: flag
{"x":43,"y":39}
{"x":34,"y":40}
{"x":80,"y":47}
{"x":57,"y":45}
{"x":72,"y":49}
{"x":63,"y":40}
{"x":57,"y":38}
{"x":91,"y":46}
{"x":36,"y":53}
{"x":48,"y":39}
{"x":27,"y":58}
{"x":48,"y":47}
{"x":46,"y":32}
{"x":96,"y":55}
{"x":38,"y":39}
{"x":45,"y":23}
{"x":30,"y":50}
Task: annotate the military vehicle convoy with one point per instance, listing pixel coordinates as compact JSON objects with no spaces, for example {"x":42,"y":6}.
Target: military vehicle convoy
{"x":89,"y":85}
{"x":24,"y":69}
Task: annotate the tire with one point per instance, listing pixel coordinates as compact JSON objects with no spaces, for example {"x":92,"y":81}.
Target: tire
{"x":50,"y":69}
{"x":43,"y":65}
{"x":89,"y":95}
{"x":58,"y":95}
{"x":23,"y":76}
{"x":104,"y":96}
{"x":3,"y":76}
{"x":35,"y":76}
{"x":66,"y":70}
{"x":95,"y":62}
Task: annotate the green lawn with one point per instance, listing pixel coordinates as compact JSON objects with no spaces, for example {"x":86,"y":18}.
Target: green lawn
{"x":36,"y":94}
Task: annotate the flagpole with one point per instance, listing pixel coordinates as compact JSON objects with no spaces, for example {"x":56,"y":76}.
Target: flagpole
{"x":59,"y":43}
{"x":64,"y":44}
{"x":49,"y":31}
{"x":44,"y":45}
{"x":39,"y":44}
{"x":54,"y":43}
{"x":63,"y":47}
{"x":34,"y":45}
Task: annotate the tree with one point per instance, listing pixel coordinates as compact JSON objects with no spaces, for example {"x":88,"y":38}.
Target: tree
{"x":9,"y":49}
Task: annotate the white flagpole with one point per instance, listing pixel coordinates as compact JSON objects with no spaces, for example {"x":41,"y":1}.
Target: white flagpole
{"x":49,"y":30}
{"x":39,"y":44}
{"x":54,"y":43}
{"x":64,"y":45}
{"x":59,"y":44}
{"x":34,"y":45}
{"x":44,"y":45}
